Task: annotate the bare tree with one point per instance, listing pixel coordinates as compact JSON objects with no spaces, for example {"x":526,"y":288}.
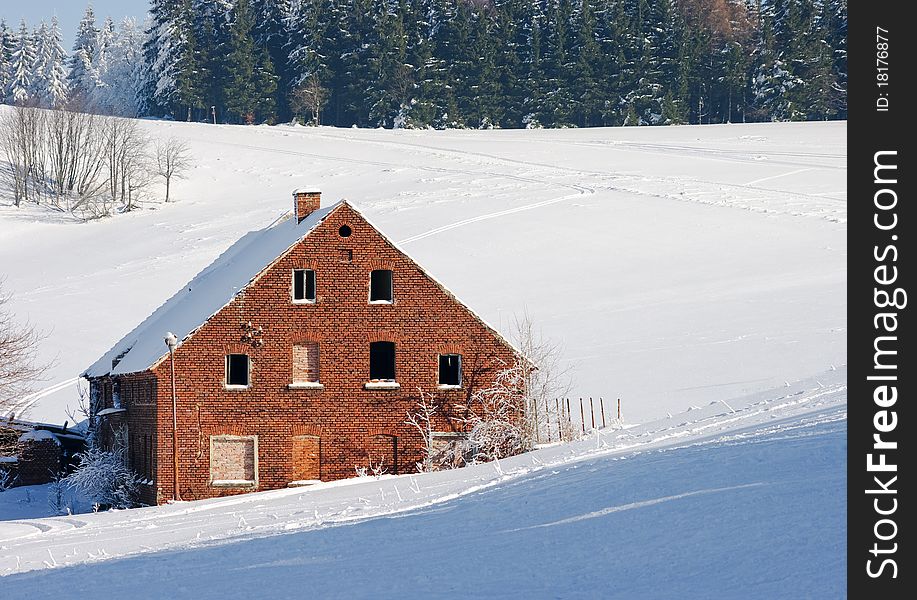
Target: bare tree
{"x":126,"y":160}
{"x":173,"y":159}
{"x":546,"y":380}
{"x":422,"y":420}
{"x":19,"y":366}
{"x":310,"y":97}
{"x":75,"y":161}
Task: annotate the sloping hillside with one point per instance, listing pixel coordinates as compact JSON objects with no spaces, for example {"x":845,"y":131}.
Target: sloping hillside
{"x":740,"y":501}
{"x":677,"y":265}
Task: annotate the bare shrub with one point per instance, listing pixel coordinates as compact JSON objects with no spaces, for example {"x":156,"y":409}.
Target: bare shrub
{"x":310,"y":98}
{"x":173,"y":160}
{"x":19,"y":366}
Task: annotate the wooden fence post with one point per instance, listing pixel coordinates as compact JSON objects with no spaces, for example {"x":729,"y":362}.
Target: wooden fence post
{"x":535,"y":406}
{"x":582,"y":415}
{"x":602,"y":406}
{"x":592,"y":411}
{"x":619,"y":409}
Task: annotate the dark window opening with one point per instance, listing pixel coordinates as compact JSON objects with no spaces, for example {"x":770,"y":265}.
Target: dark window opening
{"x":345,"y":231}
{"x":380,"y":286}
{"x":304,"y":285}
{"x":382,"y":361}
{"x":237,"y":369}
{"x":450,"y":369}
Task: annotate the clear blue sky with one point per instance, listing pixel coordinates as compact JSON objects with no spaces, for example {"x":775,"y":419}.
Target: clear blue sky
{"x":69,"y":12}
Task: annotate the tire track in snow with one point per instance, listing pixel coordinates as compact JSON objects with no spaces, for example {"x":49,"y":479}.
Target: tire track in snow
{"x":494,"y":215}
{"x":25,"y":403}
{"x":797,"y":171}
{"x":361,"y":161}
{"x":581,"y":190}
{"x":446,"y":152}
{"x":641,"y":504}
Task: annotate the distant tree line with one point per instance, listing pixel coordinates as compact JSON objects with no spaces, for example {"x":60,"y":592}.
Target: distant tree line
{"x":453,"y":63}
{"x":102,"y":74}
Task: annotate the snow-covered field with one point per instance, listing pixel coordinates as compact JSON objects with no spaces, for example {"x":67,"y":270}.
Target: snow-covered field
{"x":677,"y":265}
{"x":745,"y":500}
{"x":698,"y":273}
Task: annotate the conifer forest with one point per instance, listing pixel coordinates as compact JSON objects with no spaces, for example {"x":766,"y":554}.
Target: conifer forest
{"x":443,"y":63}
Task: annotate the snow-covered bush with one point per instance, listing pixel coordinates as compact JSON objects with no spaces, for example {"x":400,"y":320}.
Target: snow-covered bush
{"x":103,"y":477}
{"x":56,"y":495}
{"x":497,"y":424}
{"x":376,"y":470}
{"x":6,"y":479}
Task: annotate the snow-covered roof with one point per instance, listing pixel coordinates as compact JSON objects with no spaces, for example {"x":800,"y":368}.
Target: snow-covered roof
{"x":38,"y":435}
{"x":204,"y":296}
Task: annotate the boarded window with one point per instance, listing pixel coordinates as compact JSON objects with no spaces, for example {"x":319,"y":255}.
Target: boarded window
{"x":305,"y":363}
{"x":234,"y":460}
{"x":237,"y":370}
{"x":450,"y":369}
{"x":382,"y":361}
{"x":380,"y":286}
{"x":306,"y":458}
{"x":303,"y":285}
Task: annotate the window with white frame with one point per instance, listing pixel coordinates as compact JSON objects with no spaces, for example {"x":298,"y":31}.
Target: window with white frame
{"x":238,"y":371}
{"x":303,"y":286}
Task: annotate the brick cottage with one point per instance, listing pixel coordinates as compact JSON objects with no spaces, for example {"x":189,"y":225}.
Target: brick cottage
{"x":298,"y":355}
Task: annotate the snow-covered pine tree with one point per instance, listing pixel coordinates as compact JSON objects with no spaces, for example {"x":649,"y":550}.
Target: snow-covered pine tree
{"x":270,"y":34}
{"x":388,"y":89}
{"x":239,"y":91}
{"x":99,"y":64}
{"x":123,"y":73}
{"x":80,"y":78}
{"x":19,"y":84}
{"x":558,"y":99}
{"x":356,"y":35}
{"x":50,"y":86}
{"x":160,"y":58}
{"x":585,"y":85}
{"x":7,"y":47}
{"x":484,"y":109}
{"x":532,"y":64}
{"x":834,"y":25}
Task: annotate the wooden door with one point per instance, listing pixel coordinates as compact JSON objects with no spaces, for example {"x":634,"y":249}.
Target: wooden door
{"x":307,"y":458}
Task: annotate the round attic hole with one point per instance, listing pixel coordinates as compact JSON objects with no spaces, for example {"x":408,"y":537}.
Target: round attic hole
{"x":345,"y":231}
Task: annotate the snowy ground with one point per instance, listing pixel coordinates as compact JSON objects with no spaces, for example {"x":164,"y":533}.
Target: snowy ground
{"x":745,"y":500}
{"x":698,"y":273}
{"x":677,"y":265}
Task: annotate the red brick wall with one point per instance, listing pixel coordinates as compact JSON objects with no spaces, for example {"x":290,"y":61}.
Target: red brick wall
{"x":39,"y":461}
{"x":350,"y":421}
{"x":138,"y":396}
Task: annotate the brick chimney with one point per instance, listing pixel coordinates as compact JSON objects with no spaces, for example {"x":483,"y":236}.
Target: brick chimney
{"x":305,"y":202}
